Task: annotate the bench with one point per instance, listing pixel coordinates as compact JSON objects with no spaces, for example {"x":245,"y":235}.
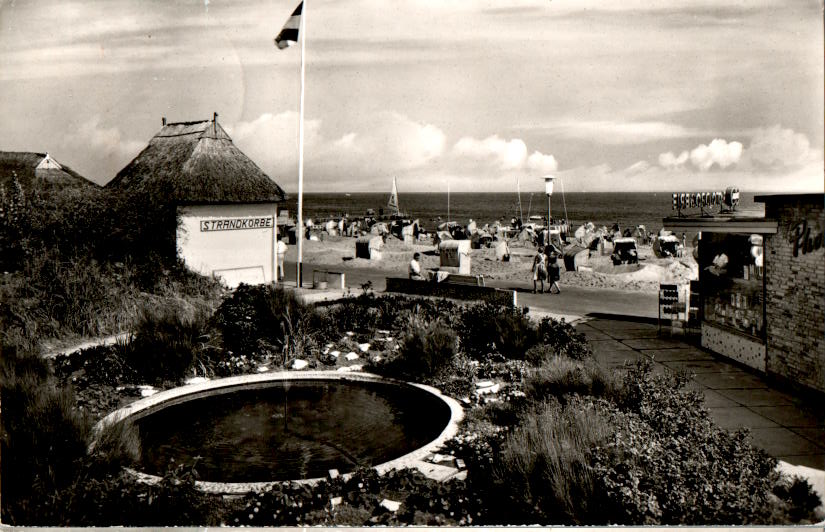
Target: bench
{"x":452,"y":290}
{"x":324,"y":275}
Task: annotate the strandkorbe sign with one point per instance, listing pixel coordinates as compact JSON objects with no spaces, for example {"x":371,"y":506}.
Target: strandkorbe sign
{"x":234,"y":224}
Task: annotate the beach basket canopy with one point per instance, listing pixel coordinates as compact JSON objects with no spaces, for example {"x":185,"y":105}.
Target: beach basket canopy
{"x":196,"y":162}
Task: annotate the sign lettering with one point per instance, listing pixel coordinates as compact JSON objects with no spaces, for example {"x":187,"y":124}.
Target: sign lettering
{"x":692,"y":200}
{"x":801,"y":239}
{"x":234,"y":224}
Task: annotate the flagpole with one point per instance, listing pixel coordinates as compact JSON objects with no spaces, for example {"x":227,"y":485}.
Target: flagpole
{"x":299,"y":272}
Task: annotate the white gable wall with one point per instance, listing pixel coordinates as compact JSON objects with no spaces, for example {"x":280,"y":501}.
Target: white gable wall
{"x":234,"y":242}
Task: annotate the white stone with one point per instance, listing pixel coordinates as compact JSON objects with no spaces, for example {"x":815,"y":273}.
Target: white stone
{"x":392,"y":506}
{"x":377,"y":358}
{"x":352,"y":356}
{"x":333,"y":473}
{"x":335,"y":353}
{"x":299,"y":364}
{"x":484,"y":384}
{"x":489,"y":389}
{"x":438,"y":458}
{"x":147,"y":392}
{"x":263,"y":369}
{"x":196,"y":380}
{"x":350,"y":333}
{"x":335,"y":501}
{"x":364,"y":347}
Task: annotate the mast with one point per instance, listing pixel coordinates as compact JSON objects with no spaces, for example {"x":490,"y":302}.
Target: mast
{"x":303,"y":33}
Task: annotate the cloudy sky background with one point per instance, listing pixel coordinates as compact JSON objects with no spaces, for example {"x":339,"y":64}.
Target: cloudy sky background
{"x":610,"y":95}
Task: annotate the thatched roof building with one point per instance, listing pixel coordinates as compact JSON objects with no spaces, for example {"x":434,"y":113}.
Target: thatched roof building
{"x":196,"y":162}
{"x":39,"y":171}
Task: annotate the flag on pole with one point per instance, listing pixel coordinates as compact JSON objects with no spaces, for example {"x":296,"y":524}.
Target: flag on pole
{"x":289,"y":33}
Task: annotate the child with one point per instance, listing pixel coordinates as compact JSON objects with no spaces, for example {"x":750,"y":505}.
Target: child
{"x":539,"y":270}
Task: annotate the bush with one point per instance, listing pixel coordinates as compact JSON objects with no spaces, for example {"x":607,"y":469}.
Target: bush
{"x":668,"y":463}
{"x":273,"y":315}
{"x":487,"y":327}
{"x":543,"y":474}
{"x":559,"y":338}
{"x":165,"y":343}
{"x":426,"y":351}
{"x":560,"y":377}
{"x":43,"y":437}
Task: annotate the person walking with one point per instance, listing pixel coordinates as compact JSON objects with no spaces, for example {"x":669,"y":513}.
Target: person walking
{"x":554,"y":273}
{"x":539,"y":269}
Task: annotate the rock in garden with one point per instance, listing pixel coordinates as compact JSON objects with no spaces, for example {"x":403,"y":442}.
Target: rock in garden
{"x":299,"y":364}
{"x":352,"y":356}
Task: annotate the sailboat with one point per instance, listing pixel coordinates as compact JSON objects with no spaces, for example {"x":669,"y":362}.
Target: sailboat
{"x":393,"y":201}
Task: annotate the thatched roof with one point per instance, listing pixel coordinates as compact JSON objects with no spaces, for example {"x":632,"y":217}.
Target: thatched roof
{"x":38,"y":171}
{"x":196,"y":162}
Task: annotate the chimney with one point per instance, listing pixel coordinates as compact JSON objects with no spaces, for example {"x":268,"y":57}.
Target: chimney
{"x":163,"y":120}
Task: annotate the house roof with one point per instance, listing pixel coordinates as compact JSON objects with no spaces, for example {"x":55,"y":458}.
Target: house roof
{"x":196,"y":162}
{"x":38,"y":170}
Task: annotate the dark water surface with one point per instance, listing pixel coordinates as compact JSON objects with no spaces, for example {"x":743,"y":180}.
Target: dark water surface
{"x":291,"y":430}
{"x":601,"y":208}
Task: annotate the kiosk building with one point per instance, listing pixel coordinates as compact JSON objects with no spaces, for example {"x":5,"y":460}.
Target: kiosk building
{"x":226,"y":205}
{"x":762,"y":286}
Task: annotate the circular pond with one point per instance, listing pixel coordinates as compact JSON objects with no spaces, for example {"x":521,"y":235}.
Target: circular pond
{"x":289,"y":429}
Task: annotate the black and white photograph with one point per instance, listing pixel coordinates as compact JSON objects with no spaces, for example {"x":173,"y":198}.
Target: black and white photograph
{"x":412,"y":263}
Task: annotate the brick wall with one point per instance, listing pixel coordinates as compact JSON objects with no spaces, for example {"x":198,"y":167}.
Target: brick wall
{"x":795,"y":290}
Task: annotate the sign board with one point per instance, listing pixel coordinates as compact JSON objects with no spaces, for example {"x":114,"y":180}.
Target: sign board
{"x":235,"y":224}
{"x":691,"y":200}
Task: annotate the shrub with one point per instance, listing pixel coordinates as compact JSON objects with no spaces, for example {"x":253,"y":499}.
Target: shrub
{"x":426,"y":351}
{"x":43,"y":437}
{"x":560,"y":377}
{"x":256,"y":313}
{"x":559,"y":338}
{"x":165,"y":342}
{"x":487,"y":327}
{"x":668,"y":463}
{"x":543,"y":474}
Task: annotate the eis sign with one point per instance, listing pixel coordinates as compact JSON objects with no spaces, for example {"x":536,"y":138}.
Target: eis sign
{"x":727,"y":200}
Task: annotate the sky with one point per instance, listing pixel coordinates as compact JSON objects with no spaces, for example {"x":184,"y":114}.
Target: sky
{"x":474,"y":95}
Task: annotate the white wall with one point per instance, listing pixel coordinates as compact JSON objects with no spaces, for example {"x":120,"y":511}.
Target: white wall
{"x":234,"y":242}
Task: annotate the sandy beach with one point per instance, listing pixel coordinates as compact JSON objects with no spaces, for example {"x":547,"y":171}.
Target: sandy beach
{"x":339,"y":252}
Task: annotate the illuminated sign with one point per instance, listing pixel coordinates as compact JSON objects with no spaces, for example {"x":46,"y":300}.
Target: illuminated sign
{"x":234,"y":224}
{"x":692,"y":200}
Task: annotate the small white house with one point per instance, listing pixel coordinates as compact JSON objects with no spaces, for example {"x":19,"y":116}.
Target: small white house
{"x":227,"y":206}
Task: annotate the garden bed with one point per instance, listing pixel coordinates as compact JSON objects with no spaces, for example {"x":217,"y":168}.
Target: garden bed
{"x":549,"y":437}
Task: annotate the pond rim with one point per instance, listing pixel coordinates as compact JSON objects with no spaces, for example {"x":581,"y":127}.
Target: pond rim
{"x":192,"y":392}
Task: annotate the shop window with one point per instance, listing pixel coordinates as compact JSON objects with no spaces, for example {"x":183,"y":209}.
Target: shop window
{"x":731,"y":273}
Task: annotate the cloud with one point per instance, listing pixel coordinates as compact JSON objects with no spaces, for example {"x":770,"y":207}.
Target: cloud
{"x":619,"y":133}
{"x":382,"y":145}
{"x":719,"y":152}
{"x":777,"y":147}
{"x":671,"y":161}
{"x":770,"y":149}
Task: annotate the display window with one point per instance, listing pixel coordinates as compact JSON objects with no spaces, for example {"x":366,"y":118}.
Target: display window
{"x":731,"y":274}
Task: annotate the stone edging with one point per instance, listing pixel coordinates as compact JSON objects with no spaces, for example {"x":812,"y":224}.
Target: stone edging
{"x":411,"y":460}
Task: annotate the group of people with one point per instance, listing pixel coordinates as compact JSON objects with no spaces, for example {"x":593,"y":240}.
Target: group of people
{"x":546,"y":268}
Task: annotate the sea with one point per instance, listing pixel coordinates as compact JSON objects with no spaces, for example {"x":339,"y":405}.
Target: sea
{"x":628,"y":209}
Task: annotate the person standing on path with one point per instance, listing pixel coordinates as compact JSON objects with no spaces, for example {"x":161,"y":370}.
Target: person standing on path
{"x":282,"y":247}
{"x":554,"y":273}
{"x":539,"y":269}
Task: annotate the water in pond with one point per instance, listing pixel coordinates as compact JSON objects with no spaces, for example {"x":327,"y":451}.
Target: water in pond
{"x":291,"y":430}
